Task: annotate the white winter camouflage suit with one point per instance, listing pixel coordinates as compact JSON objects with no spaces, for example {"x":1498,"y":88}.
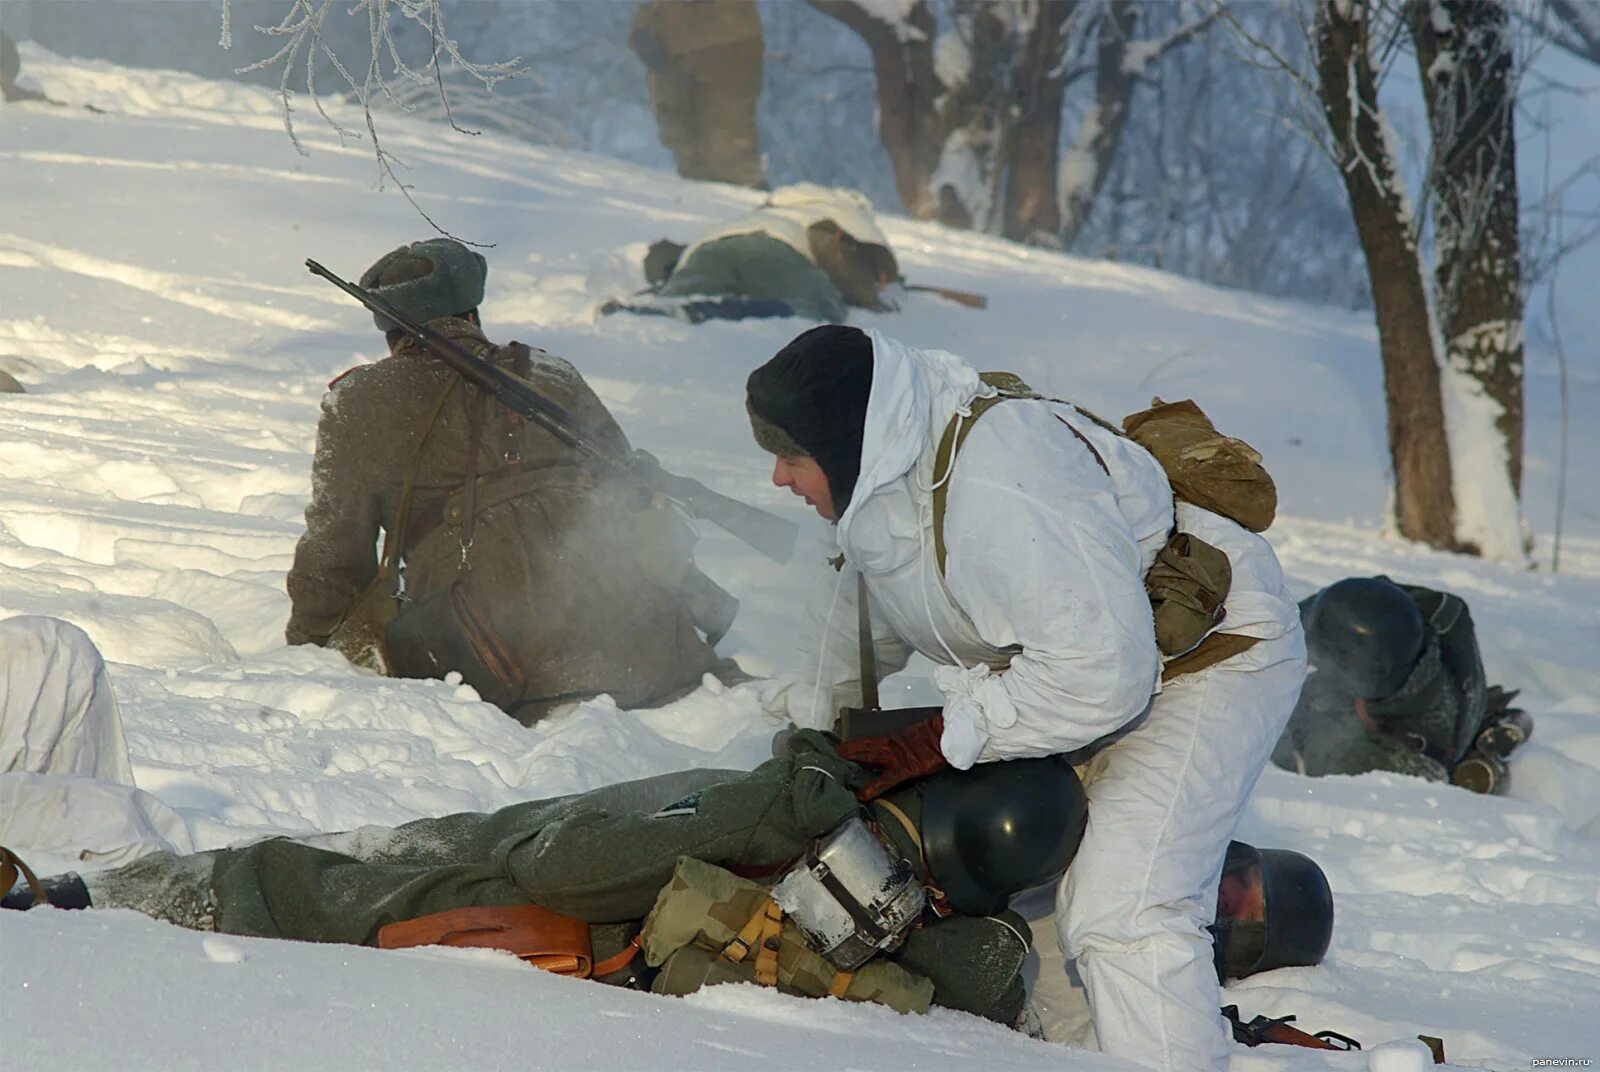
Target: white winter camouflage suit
{"x":66,"y":784}
{"x":1046,"y":645}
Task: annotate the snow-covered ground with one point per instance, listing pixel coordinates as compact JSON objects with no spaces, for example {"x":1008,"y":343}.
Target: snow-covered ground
{"x":153,"y":300}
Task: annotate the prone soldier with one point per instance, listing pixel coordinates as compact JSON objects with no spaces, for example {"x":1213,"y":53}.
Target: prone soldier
{"x":1398,"y":685}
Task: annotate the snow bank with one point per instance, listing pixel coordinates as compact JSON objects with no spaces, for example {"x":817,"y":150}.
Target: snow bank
{"x":153,"y":302}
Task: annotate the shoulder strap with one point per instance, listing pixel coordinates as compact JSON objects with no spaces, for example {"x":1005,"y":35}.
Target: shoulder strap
{"x":394,"y":539}
{"x":1010,"y":386}
{"x":469,"y":476}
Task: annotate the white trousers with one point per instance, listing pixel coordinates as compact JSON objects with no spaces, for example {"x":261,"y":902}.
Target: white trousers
{"x":66,"y":784}
{"x":1163,"y":804}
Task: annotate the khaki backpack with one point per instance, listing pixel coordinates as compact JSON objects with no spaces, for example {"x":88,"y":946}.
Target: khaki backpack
{"x":1188,"y":584}
{"x":711,"y":926}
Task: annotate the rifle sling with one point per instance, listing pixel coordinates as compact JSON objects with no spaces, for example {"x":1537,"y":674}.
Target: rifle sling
{"x":493,"y":488}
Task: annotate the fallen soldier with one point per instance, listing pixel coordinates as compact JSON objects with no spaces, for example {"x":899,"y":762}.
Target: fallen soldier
{"x":777,"y":876}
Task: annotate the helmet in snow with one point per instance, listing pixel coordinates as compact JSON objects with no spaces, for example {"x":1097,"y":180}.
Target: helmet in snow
{"x":1368,"y":633}
{"x":1000,"y":828}
{"x":1274,"y":910}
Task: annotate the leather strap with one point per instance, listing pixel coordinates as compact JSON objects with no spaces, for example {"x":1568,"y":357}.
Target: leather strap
{"x":469,"y":479}
{"x":394,"y":539}
{"x":911,"y":831}
{"x":619,"y":960}
{"x":1209,"y":652}
{"x":869,"y":654}
{"x":501,"y":485}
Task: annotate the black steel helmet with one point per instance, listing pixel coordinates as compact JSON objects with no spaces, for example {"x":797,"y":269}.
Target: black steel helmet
{"x":1000,"y":828}
{"x":1298,"y":914}
{"x":1367,"y":632}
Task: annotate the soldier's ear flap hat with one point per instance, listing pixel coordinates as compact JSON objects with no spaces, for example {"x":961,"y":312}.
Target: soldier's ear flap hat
{"x":810,"y":401}
{"x":427,"y":280}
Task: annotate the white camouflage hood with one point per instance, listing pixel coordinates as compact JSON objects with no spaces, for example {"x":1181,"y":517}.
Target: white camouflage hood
{"x":914,"y":395}
{"x":791,"y":210}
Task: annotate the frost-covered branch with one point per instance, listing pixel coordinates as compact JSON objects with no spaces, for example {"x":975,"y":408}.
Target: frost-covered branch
{"x":1573,"y":25}
{"x":385,"y":75}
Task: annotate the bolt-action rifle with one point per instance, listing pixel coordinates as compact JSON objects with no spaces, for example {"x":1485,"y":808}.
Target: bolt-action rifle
{"x":1267,"y":1029}
{"x":961,"y":297}
{"x":773,"y":536}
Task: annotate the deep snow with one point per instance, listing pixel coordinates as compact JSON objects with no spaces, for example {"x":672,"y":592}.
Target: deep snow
{"x":153,"y":299}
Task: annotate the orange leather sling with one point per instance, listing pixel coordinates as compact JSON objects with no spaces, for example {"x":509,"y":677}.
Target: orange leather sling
{"x":543,"y":938}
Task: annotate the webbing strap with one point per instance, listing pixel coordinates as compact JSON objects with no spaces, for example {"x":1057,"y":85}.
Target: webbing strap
{"x":955,"y":434}
{"x":1210,"y":651}
{"x":761,"y":935}
{"x":767,"y":952}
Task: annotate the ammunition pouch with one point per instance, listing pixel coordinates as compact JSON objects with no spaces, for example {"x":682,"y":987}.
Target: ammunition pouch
{"x":1187,"y":586}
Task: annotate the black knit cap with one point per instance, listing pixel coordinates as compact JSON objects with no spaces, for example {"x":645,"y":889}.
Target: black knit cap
{"x":813,"y":394}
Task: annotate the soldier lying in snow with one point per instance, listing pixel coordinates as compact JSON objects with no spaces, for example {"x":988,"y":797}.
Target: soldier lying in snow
{"x":1398,"y":685}
{"x":684,"y":880}
{"x":808,"y":251}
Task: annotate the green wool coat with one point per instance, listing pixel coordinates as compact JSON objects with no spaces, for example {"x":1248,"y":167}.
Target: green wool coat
{"x":602,"y":857}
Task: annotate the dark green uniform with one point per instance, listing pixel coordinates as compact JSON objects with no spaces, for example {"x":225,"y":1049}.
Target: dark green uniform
{"x":756,"y":265}
{"x":603,"y":857}
{"x":583,"y":580}
{"x":1423,"y":730}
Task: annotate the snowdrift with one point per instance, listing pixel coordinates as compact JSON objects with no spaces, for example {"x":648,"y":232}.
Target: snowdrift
{"x":153,"y":300}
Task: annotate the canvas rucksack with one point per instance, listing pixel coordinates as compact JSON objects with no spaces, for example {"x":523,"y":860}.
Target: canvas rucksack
{"x":1188,"y":584}
{"x":711,"y":926}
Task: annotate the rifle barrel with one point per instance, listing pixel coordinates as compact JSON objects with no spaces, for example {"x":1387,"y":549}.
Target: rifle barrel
{"x":773,"y":536}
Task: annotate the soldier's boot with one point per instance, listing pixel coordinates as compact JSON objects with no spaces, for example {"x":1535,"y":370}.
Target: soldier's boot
{"x":58,"y":891}
{"x":1481,"y":772}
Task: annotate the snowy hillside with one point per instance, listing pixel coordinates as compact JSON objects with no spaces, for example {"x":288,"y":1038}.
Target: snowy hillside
{"x":152,"y":481}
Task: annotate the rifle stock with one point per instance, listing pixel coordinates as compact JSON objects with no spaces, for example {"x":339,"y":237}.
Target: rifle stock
{"x":773,"y":536}
{"x":960,"y":297}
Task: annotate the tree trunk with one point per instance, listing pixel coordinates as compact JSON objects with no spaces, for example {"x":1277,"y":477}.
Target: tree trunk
{"x":1464,"y":49}
{"x":1032,"y":211}
{"x":976,"y":114}
{"x":1090,"y":159}
{"x":909,"y":121}
{"x":1418,"y":447}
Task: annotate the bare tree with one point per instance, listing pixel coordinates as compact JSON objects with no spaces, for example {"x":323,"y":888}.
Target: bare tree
{"x":971,"y":117}
{"x":1452,"y":366}
{"x":1424,"y":501}
{"x":307,"y":48}
{"x":1573,"y":25}
{"x":1465,"y":55}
